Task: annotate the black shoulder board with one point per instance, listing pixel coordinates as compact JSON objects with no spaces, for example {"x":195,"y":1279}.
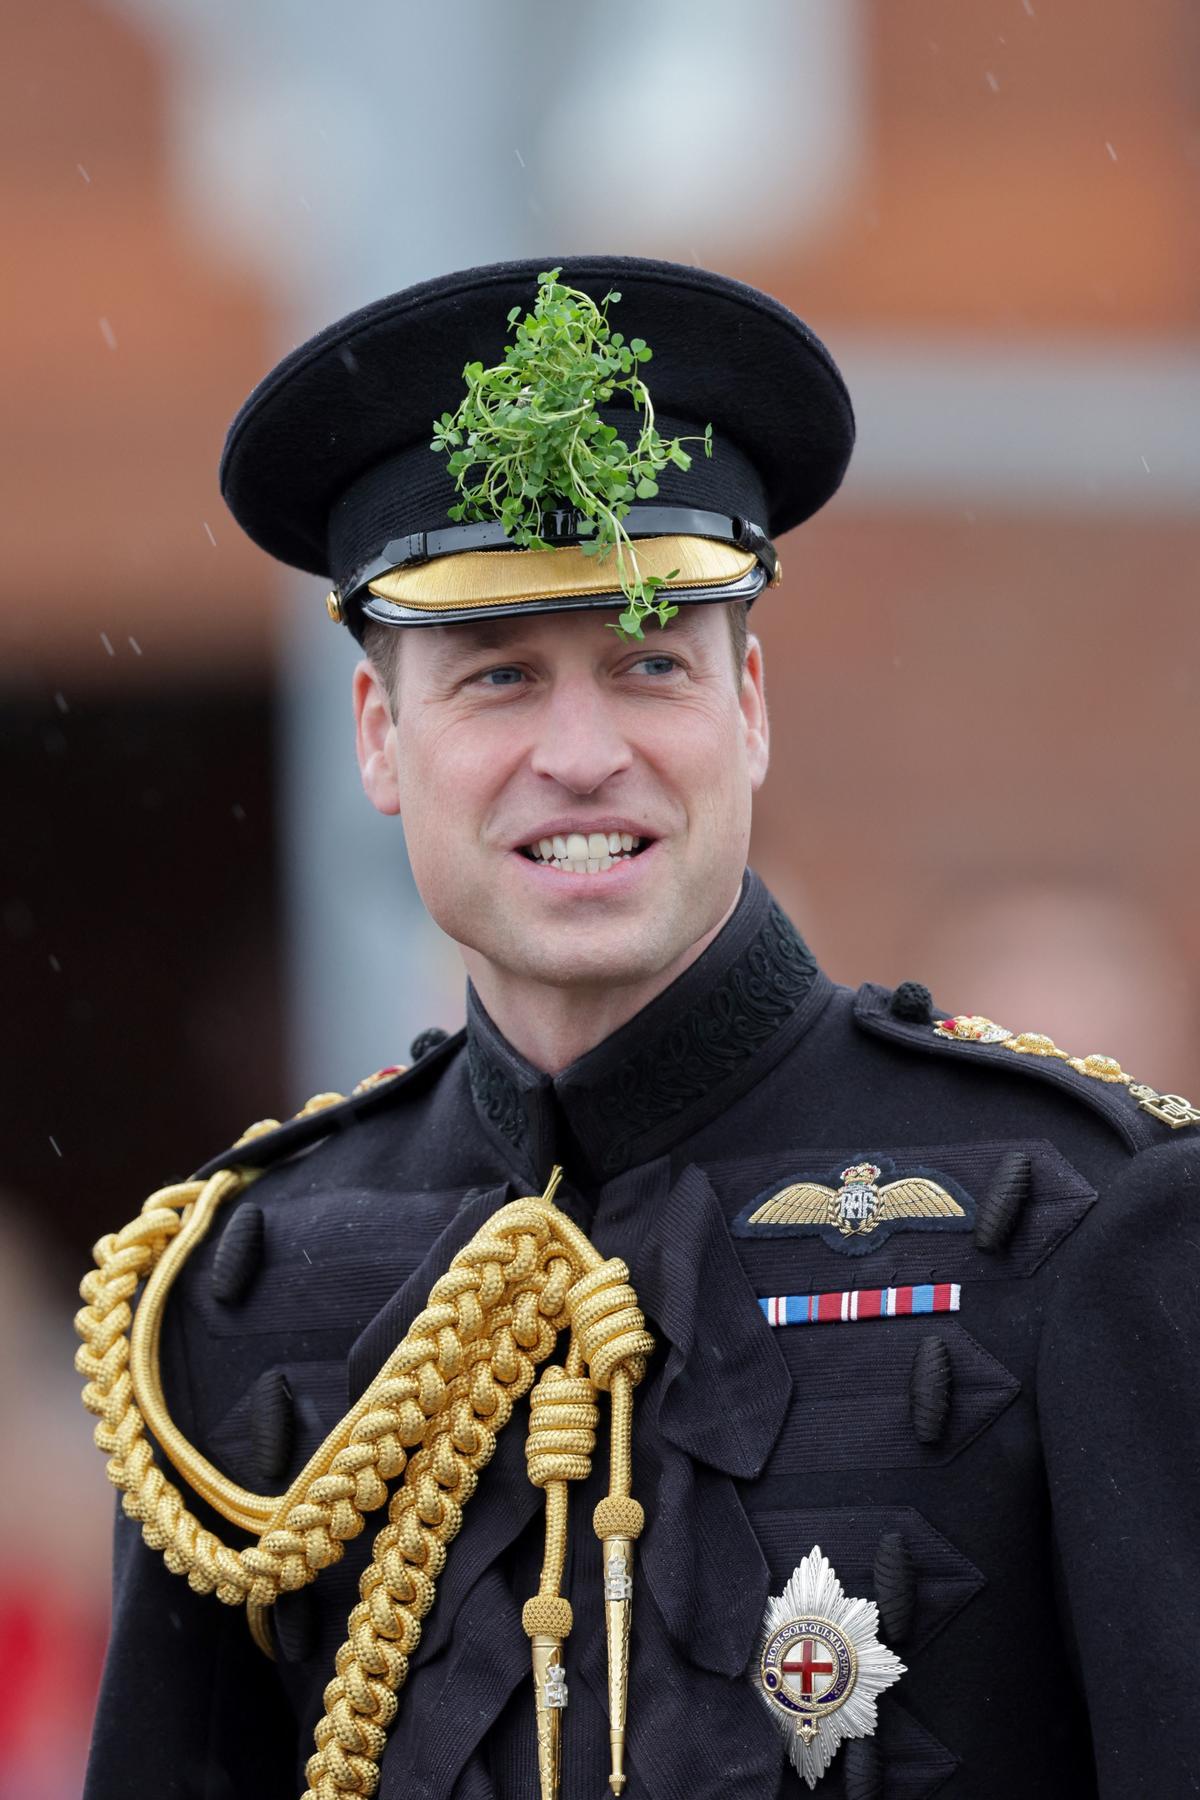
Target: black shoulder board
{"x":327,"y":1114}
{"x":1139,"y":1114}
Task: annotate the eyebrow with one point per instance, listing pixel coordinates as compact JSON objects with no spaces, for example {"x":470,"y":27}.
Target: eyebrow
{"x":455,"y":641}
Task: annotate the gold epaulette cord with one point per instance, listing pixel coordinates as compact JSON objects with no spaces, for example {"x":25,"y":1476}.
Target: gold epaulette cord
{"x":431,"y":1415}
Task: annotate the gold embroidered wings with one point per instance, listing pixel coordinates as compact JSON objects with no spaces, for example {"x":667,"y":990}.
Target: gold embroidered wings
{"x":857,"y":1207}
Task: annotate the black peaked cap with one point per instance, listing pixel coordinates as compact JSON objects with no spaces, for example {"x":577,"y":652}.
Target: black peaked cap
{"x":328,"y":459}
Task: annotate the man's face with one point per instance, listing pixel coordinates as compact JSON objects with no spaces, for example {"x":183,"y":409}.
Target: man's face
{"x":515,"y":735}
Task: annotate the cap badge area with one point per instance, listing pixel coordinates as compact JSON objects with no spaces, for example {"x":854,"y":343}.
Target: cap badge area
{"x":859,"y":1214}
{"x":973,"y":1028}
{"x":821,"y":1666}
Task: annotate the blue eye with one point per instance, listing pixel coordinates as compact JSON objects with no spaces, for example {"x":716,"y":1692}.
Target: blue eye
{"x":657,"y":665}
{"x":508,"y":677}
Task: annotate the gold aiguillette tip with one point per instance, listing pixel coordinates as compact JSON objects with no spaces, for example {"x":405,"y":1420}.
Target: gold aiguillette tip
{"x":550,"y":1697}
{"x":618,"y":1607}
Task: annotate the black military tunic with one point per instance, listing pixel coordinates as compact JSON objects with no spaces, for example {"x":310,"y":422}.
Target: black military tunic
{"x":1013,"y":1483}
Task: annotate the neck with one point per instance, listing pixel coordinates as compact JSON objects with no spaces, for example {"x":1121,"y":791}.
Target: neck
{"x":552,"y":1026}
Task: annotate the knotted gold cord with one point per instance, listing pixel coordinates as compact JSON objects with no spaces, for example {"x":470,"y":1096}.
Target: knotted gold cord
{"x":432,"y":1414}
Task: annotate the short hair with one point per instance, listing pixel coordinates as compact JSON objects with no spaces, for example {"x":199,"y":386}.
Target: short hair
{"x":382,"y":646}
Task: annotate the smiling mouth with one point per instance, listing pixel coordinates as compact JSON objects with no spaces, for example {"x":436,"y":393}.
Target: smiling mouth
{"x":576,"y":854}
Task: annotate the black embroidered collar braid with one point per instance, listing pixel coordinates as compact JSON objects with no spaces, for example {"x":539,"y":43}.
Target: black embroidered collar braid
{"x":693,"y":1051}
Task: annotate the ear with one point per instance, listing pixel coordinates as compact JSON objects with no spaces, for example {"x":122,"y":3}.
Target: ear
{"x":753,"y":702}
{"x":375,"y":739}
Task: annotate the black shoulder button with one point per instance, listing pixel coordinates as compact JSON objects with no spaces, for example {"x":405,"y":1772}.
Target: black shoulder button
{"x":1137,"y":1112}
{"x":913,"y":1001}
{"x":270,"y":1141}
{"x":427,"y":1040}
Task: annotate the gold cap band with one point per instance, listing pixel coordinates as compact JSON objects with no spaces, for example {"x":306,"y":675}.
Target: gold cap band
{"x":483,"y":578}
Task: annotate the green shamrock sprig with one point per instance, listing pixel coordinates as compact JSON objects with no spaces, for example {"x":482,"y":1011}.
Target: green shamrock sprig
{"x":528,"y":437}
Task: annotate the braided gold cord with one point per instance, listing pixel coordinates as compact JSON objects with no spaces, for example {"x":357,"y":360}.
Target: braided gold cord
{"x":431,"y":1415}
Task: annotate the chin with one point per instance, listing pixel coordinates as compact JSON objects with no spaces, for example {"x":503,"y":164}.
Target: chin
{"x":608,"y":954}
{"x":617,"y":967}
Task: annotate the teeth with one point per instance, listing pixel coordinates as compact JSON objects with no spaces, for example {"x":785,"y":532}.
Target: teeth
{"x":580,"y":854}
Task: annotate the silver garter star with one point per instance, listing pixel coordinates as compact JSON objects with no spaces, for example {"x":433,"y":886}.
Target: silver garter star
{"x":821,"y":1666}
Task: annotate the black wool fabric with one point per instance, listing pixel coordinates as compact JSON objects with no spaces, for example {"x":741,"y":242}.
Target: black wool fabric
{"x":1012,"y":1483}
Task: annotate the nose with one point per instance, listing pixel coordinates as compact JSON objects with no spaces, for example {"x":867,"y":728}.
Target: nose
{"x":580,"y":743}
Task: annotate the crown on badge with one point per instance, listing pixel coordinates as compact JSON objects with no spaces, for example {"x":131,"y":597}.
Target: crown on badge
{"x":864,"y":1172}
{"x":528,"y":436}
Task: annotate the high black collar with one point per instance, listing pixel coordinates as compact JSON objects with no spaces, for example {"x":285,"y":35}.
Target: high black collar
{"x":686,"y":1056}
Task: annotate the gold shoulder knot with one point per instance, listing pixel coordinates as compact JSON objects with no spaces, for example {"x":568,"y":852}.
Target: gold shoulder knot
{"x":973,"y":1028}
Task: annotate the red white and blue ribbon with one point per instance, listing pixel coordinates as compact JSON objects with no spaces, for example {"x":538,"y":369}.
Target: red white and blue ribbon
{"x":861,"y":1303}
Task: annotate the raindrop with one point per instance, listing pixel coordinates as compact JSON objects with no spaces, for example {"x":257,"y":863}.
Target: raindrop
{"x":518,"y":156}
{"x":239,"y":813}
{"x":1110,"y":150}
{"x":60,"y":700}
{"x":84,"y":173}
{"x":1145,"y":465}
{"x":1028,"y":5}
{"x":992,"y":82}
{"x":54,"y":1146}
{"x":348,"y":359}
{"x":304,"y":203}
{"x":305,"y":1255}
{"x":208,"y":528}
{"x":107,"y":642}
{"x":135,"y":646}
{"x":56,"y":965}
{"x":108,"y":334}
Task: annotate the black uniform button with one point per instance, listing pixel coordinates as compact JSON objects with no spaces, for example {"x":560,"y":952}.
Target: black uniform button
{"x":427,"y":1040}
{"x":239,"y":1254}
{"x":997,"y":1211}
{"x":912,"y":1001}
{"x":929,"y":1390}
{"x":272,"y":1429}
{"x":861,"y":1770}
{"x":895,"y":1587}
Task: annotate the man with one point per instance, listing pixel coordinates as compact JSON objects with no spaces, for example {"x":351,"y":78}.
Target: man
{"x":914,"y":1443}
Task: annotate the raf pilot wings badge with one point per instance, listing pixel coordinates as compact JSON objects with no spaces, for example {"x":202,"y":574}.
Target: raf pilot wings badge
{"x":858,"y":1214}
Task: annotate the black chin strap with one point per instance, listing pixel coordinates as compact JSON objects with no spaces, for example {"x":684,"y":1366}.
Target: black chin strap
{"x":560,"y":527}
